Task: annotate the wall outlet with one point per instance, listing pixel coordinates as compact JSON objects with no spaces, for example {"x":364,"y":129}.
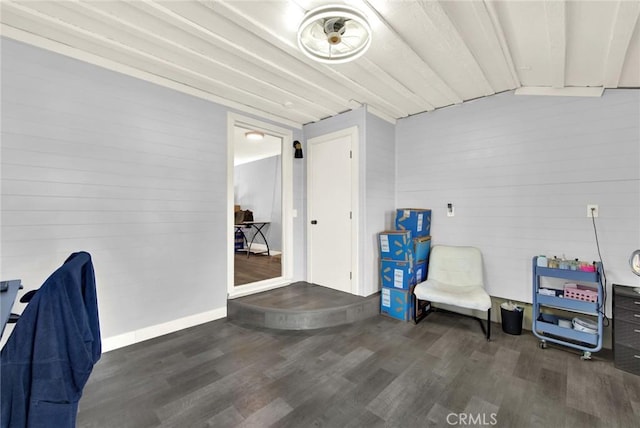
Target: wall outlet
{"x":592,"y":210}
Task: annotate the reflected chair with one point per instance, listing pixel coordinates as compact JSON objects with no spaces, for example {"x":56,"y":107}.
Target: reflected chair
{"x":454,"y":278}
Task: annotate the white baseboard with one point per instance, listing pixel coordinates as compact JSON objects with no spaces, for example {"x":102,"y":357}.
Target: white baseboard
{"x":126,"y":339}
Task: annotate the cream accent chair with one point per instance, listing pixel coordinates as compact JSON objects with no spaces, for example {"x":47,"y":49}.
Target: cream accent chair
{"x":455,"y":278}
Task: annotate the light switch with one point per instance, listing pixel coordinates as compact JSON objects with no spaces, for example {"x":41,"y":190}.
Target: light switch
{"x":450,"y":210}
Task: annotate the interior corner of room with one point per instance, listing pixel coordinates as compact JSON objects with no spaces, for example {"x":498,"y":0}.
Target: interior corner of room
{"x":144,"y":164}
{"x":211,"y":158}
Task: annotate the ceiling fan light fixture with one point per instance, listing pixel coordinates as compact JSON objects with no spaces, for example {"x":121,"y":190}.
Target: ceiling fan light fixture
{"x":334,"y":34}
{"x":254,"y":135}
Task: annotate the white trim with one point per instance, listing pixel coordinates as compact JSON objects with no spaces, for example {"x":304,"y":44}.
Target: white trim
{"x":352,"y":133}
{"x":136,"y":336}
{"x":381,"y":115}
{"x":260,"y":248}
{"x":258,"y":287}
{"x":233,"y":120}
{"x":53,"y":46}
{"x":572,"y":91}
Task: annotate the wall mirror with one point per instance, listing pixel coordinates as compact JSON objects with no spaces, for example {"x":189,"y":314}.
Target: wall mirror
{"x":257,"y":188}
{"x":634,"y":262}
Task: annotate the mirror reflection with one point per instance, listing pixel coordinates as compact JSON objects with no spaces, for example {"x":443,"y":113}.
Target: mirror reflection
{"x":634,"y":261}
{"x":257,"y":206}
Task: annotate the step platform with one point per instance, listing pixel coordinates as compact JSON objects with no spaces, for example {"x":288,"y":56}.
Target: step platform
{"x":301,"y":306}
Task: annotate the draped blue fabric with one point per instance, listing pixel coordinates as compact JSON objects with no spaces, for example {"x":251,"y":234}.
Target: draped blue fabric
{"x":51,"y":352}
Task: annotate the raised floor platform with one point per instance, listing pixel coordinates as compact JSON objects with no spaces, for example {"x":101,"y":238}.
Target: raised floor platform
{"x":302,"y":306}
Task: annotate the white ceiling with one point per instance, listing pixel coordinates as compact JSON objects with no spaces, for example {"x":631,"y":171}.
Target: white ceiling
{"x":246,"y":150}
{"x":425,"y":54}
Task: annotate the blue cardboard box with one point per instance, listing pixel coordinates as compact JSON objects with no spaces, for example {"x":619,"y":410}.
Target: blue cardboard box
{"x":420,"y":269}
{"x":416,"y":220}
{"x":397,"y":274}
{"x":421,"y":247}
{"x":396,"y":303}
{"x":395,"y":245}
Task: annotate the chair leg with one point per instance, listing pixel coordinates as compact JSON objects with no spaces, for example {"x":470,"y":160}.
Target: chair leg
{"x":420,"y":306}
{"x":416,"y":309}
{"x":486,"y":330}
{"x":488,"y":324}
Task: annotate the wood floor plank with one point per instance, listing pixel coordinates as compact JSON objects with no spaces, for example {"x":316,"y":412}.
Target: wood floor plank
{"x":267,"y":415}
{"x":256,"y":267}
{"x":308,"y":411}
{"x":227,"y":418}
{"x":374,"y":373}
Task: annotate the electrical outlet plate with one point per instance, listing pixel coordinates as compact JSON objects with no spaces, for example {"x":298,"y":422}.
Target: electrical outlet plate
{"x":592,"y":208}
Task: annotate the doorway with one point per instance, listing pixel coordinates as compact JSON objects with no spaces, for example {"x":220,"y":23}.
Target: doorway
{"x":260,"y":183}
{"x":332,"y":198}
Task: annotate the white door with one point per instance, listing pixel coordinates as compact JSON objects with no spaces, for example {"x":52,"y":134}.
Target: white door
{"x":330,"y":210}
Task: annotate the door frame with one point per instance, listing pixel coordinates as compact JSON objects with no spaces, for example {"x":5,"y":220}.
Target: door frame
{"x":233,"y":120}
{"x":353,"y":134}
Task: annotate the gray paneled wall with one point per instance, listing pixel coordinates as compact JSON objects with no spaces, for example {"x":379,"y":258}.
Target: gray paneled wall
{"x":129,"y":171}
{"x":520,"y":171}
{"x":380,"y":173}
{"x":258,"y":187}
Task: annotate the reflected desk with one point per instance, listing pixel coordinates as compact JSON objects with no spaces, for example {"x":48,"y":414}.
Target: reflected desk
{"x":258,"y":226}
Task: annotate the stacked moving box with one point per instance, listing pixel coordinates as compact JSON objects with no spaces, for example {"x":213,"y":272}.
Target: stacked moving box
{"x":403,"y":261}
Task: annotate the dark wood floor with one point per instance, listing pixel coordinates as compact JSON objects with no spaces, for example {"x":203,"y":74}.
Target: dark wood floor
{"x":302,"y":296}
{"x":374,"y":373}
{"x":256,"y":267}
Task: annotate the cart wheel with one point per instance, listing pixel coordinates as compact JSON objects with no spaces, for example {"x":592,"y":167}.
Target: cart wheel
{"x":542,"y":344}
{"x":586,"y":355}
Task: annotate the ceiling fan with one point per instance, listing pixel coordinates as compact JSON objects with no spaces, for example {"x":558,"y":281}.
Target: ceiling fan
{"x":334,"y":34}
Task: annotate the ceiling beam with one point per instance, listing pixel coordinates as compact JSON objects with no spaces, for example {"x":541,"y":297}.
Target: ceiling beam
{"x":80,"y":35}
{"x":555,"y":11}
{"x":569,"y":91}
{"x":261,"y":86}
{"x":364,"y":95}
{"x":174,"y":18}
{"x":413,"y":59}
{"x":622,"y":30}
{"x":484,"y":7}
{"x":437,"y":18}
{"x":33,"y":39}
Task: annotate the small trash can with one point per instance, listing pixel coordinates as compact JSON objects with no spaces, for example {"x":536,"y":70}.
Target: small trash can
{"x":238,"y":240}
{"x":511,"y":318}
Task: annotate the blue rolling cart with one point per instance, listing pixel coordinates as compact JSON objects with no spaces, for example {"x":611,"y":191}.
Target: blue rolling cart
{"x":547,"y":331}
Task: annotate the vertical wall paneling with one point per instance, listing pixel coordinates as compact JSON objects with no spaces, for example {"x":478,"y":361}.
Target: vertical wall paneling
{"x":379,"y":189}
{"x":129,"y":171}
{"x":520,"y":171}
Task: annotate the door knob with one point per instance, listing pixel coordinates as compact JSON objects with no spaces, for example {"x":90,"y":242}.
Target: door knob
{"x":314,"y":221}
